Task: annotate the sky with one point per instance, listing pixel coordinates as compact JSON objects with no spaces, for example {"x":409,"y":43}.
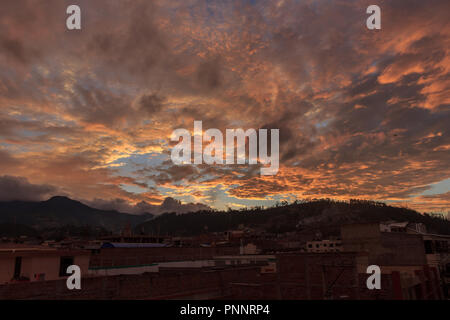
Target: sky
{"x":362,"y":113}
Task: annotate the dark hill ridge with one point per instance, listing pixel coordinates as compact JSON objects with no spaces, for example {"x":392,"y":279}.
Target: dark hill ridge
{"x":324,"y":214}
{"x":59,"y":212}
{"x":62,"y":211}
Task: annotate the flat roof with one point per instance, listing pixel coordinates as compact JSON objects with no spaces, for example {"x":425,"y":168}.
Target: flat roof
{"x":14,"y":249}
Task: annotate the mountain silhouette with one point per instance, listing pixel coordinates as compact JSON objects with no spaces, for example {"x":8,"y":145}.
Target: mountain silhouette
{"x":61,"y":211}
{"x":169,"y":205}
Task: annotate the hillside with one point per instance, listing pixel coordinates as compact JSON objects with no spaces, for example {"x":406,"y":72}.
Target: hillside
{"x":61,"y":215}
{"x":58,"y":212}
{"x":324,"y":214}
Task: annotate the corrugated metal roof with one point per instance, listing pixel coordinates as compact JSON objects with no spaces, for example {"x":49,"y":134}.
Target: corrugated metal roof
{"x":132,"y":245}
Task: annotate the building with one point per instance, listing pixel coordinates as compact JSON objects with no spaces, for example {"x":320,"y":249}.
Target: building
{"x":129,"y":238}
{"x":383,"y":247}
{"x":337,"y":276}
{"x":137,"y":255}
{"x":402,"y":227}
{"x":413,"y":264}
{"x":404,"y":248}
{"x":267,"y":263}
{"x":324,"y":246}
{"x":21,"y":263}
{"x":170,"y":283}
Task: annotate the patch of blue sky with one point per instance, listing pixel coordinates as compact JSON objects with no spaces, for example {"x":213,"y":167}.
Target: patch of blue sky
{"x":5,"y":144}
{"x":437,"y":188}
{"x":143,"y":160}
{"x":29,"y":133}
{"x":322,"y":124}
{"x":127,"y":166}
{"x":207,"y":177}
{"x":233,"y":202}
{"x":22,"y":117}
{"x":49,"y":119}
{"x":219,"y":198}
{"x":133,"y":188}
{"x":164,"y":190}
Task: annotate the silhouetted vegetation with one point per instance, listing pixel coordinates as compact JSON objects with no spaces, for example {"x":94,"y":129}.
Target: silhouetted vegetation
{"x":11,"y":230}
{"x":300,"y":215}
{"x":71,"y":231}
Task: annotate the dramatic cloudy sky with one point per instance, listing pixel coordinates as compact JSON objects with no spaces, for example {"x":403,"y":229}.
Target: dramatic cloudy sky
{"x":362,"y":114}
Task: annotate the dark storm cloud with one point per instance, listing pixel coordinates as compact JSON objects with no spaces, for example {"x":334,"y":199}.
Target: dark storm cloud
{"x":99,"y":105}
{"x":209,"y":74}
{"x":139,"y":47}
{"x":151,"y":103}
{"x":15,"y":50}
{"x":18,"y":188}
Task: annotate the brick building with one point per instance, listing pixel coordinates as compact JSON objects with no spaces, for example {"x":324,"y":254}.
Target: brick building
{"x":338,"y":276}
{"x":205,"y":283}
{"x":22,"y":263}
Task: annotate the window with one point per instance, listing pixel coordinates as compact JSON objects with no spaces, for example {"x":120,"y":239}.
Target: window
{"x":309,"y":245}
{"x":17,"y":267}
{"x":65,"y":262}
{"x":428,"y":247}
{"x":331,"y":245}
{"x":441,"y":246}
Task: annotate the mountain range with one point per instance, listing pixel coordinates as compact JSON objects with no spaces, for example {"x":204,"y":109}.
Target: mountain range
{"x":59,"y":211}
{"x":70,"y":217}
{"x":168,"y":205}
